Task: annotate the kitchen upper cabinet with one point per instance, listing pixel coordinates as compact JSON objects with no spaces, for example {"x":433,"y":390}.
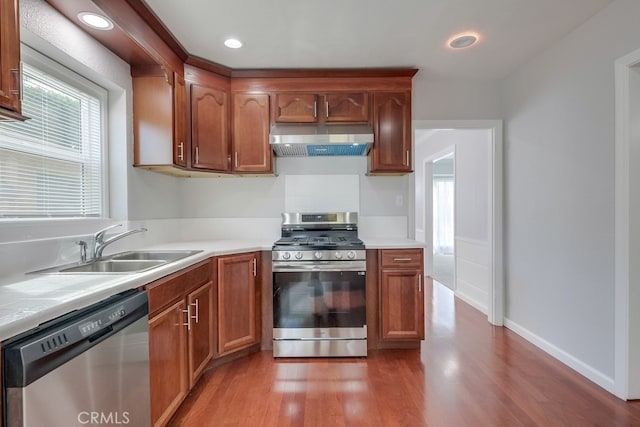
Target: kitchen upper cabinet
{"x":346,"y":107}
{"x":210,"y":128}
{"x":391,"y":152}
{"x":401,"y":294}
{"x":250,"y":135}
{"x":295,"y":108}
{"x":159,"y":117}
{"x":335,"y":107}
{"x":10,"y":74}
{"x":181,"y":325}
{"x":180,"y":120}
{"x":238,"y":302}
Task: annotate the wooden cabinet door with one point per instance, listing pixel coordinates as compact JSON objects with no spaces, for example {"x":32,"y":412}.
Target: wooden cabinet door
{"x":251,"y":149}
{"x":210,"y":128}
{"x":237,"y":302}
{"x":168,"y":362}
{"x":200,"y":304}
{"x":159,"y":117}
{"x":179,"y":121}
{"x":391,"y":152}
{"x":346,"y":107}
{"x":401,"y":304}
{"x":295,"y":108}
{"x":10,"y":105}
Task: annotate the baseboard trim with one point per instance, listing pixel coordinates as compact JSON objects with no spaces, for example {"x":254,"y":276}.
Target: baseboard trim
{"x":472,"y":302}
{"x":574,"y":363}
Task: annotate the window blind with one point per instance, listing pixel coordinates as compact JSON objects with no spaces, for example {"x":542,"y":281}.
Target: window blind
{"x":51,"y":165}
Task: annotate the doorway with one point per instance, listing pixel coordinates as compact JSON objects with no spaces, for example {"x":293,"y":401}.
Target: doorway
{"x":477,"y":257}
{"x":442,"y":205}
{"x":627,"y":226}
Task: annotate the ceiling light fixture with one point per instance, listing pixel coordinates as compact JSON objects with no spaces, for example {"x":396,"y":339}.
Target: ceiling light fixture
{"x":460,"y":41}
{"x":95,"y":21}
{"x":233,"y":43}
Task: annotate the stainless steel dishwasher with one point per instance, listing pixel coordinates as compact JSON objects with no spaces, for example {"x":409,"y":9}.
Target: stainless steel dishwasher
{"x":89,"y":367}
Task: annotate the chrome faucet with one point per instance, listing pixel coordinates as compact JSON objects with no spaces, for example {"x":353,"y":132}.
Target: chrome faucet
{"x":100,"y":243}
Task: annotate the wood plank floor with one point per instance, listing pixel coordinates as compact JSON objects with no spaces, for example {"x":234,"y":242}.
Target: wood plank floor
{"x":467,"y":373}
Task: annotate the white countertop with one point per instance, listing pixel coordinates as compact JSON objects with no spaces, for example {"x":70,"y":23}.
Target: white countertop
{"x":39,"y":298}
{"x":391,"y":243}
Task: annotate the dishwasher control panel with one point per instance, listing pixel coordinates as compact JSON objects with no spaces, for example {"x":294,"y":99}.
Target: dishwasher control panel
{"x":104,"y":319}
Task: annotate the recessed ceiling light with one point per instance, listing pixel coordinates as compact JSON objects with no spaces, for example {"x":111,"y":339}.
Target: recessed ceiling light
{"x":460,"y":41}
{"x":233,"y":43}
{"x":95,"y":21}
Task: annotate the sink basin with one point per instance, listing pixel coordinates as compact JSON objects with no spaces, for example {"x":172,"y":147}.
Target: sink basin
{"x":112,"y":266}
{"x":152,"y":255}
{"x":121,"y":263}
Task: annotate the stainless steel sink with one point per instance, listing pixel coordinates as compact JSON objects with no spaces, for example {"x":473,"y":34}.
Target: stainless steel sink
{"x":152,"y":255}
{"x":121,"y":263}
{"x":113,"y":266}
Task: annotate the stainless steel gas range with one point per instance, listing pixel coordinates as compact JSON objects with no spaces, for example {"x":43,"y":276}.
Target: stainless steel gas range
{"x":319,"y":282}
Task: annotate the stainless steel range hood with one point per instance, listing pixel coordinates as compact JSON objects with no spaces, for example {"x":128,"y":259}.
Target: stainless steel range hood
{"x":302,"y":140}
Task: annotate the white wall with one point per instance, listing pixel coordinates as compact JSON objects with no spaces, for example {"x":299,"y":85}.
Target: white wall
{"x":450,"y":99}
{"x":559,"y":195}
{"x":383,"y":200}
{"x":472,"y":189}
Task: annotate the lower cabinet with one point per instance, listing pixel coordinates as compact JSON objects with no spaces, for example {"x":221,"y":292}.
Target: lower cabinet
{"x":401,"y":273}
{"x":180,"y":336}
{"x":168,"y":362}
{"x":238,"y":302}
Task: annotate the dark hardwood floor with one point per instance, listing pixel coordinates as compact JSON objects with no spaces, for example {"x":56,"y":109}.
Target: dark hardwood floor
{"x":466,"y":373}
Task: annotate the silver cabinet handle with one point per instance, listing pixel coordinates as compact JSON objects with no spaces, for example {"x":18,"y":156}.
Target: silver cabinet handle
{"x":315,"y":109}
{"x":196,"y":305}
{"x":402,"y":259}
{"x":420,"y":284}
{"x":408,"y":161}
{"x":197,"y":154}
{"x":255,"y":268}
{"x":17,"y":82}
{"x":236,"y":156}
{"x":326,"y":104}
{"x":188,"y":324}
{"x":181,"y":153}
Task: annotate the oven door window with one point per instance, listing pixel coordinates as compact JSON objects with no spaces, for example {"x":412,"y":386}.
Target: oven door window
{"x":327,"y":299}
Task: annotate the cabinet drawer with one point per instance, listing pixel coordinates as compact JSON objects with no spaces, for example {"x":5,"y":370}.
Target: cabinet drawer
{"x":401,"y":258}
{"x":171,"y":288}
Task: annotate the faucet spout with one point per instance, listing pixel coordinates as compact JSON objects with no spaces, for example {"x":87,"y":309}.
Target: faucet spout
{"x":100,"y":243}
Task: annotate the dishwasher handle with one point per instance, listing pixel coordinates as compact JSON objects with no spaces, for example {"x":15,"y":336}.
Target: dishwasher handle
{"x":35,"y":353}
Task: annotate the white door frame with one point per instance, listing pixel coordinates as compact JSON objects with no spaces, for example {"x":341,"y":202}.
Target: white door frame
{"x":627,"y":236}
{"x":428,"y":217}
{"x":495,"y":306}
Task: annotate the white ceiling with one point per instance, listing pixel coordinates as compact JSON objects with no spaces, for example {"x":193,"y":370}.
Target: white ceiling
{"x":374,"y":33}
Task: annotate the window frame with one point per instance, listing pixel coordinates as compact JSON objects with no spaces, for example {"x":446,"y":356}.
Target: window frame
{"x":73,"y":78}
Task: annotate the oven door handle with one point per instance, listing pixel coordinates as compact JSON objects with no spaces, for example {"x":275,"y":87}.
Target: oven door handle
{"x":300,"y":267}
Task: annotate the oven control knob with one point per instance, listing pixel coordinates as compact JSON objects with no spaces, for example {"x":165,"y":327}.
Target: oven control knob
{"x":351,"y":254}
{"x":298,"y":255}
{"x":286,"y":255}
{"x":318,"y":255}
{"x":338,"y":255}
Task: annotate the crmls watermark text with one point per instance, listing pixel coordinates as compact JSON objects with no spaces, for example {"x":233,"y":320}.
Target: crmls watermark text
{"x":99,"y":418}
